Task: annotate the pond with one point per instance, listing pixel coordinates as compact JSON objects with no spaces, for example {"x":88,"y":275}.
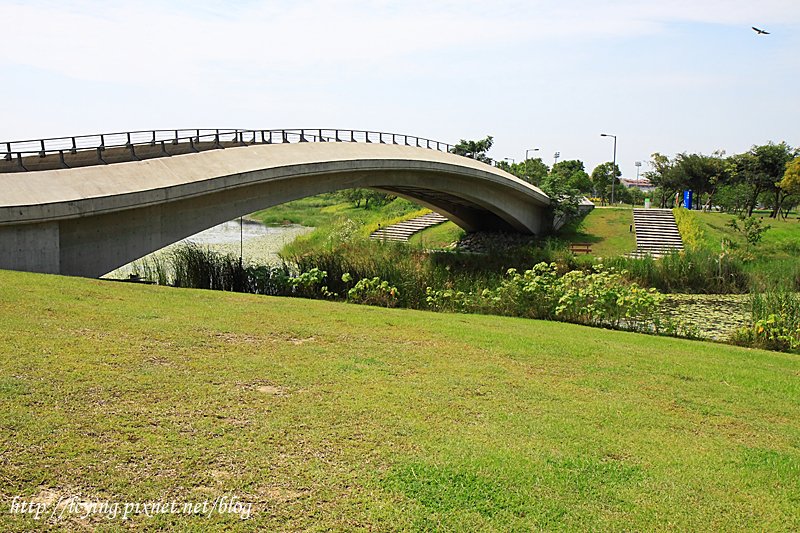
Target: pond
{"x":258,"y":243}
{"x":716,"y":316}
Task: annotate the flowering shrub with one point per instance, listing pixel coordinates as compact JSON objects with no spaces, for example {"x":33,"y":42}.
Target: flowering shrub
{"x":372,"y":291}
{"x":450,"y":300}
{"x":309,"y":284}
{"x":776,"y":322}
{"x":601,"y":297}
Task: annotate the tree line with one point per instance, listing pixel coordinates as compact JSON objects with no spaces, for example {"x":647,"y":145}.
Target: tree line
{"x":767,"y":175}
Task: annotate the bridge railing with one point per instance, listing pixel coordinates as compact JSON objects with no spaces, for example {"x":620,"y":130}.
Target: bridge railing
{"x":84,"y":150}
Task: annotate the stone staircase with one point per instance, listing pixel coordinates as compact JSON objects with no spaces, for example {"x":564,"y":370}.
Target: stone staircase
{"x":656,"y":232}
{"x":402,"y":231}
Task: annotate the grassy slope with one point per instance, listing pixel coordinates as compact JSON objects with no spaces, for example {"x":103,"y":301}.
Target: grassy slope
{"x":775,"y":258}
{"x":313,"y":211}
{"x":337,"y":416}
{"x":783,"y":238}
{"x":329,"y":214}
{"x":439,"y":236}
{"x":608,"y":229}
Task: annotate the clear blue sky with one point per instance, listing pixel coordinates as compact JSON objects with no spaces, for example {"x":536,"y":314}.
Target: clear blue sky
{"x":667,"y":76}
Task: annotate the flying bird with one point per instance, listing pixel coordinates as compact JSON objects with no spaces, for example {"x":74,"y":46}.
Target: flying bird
{"x":760,"y":32}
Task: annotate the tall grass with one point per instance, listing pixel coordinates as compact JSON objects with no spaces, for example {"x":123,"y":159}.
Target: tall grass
{"x":692,"y":234}
{"x":694,"y":271}
{"x":776,"y":322}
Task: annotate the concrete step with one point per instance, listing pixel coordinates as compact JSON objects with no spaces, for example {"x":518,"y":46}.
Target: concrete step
{"x":405,"y":229}
{"x":656,"y":232}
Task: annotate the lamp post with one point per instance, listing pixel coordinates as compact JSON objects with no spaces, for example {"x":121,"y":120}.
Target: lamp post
{"x":638,"y":166}
{"x":530,"y":150}
{"x":613,"y":165}
{"x":510,"y":159}
{"x":556,"y":156}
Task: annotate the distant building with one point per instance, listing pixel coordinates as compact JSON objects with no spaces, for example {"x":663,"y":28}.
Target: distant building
{"x":642,"y":184}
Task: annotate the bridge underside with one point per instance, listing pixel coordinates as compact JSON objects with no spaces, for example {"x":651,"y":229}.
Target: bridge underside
{"x":93,"y":236}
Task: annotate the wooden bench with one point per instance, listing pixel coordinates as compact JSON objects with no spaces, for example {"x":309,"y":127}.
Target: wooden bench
{"x":580,"y":247}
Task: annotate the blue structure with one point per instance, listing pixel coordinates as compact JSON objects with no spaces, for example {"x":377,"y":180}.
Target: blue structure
{"x":687,"y":199}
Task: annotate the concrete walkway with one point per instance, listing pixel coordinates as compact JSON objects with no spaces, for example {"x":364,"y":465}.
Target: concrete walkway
{"x":402,"y":231}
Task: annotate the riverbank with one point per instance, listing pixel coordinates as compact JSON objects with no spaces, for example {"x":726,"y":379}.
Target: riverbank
{"x":330,"y":416}
{"x":258,"y":243}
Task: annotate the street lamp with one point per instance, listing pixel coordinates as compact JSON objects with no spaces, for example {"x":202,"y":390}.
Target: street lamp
{"x":556,"y":156}
{"x":613,"y":165}
{"x":510,"y":159}
{"x":530,"y":150}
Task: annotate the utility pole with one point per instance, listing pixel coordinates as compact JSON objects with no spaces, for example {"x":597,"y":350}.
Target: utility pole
{"x":613,"y":165}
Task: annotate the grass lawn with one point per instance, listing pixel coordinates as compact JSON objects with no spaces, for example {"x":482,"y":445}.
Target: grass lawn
{"x":313,"y":211}
{"x":333,"y":416}
{"x":607,"y":228}
{"x":439,"y":236}
{"x":329,"y":214}
{"x":774,"y":260}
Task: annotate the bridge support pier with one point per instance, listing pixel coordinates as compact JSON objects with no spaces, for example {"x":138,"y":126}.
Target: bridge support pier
{"x":31,"y":247}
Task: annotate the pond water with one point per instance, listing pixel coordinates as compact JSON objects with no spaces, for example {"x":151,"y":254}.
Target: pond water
{"x":716,"y":316}
{"x":258,"y":243}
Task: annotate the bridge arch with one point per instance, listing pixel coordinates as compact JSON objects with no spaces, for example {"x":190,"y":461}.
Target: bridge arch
{"x":88,"y":221}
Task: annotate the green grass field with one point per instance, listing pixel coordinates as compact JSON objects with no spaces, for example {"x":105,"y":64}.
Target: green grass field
{"x":608,"y":229}
{"x":773,"y":262}
{"x":440,"y":236}
{"x":329,"y":416}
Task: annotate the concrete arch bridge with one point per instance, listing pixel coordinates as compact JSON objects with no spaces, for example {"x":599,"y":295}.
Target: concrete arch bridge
{"x":86,"y":205}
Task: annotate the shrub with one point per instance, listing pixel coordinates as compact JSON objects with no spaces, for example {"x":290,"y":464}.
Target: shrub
{"x":697,"y":271}
{"x":776,"y":322}
{"x":692,"y":233}
{"x":372,"y":291}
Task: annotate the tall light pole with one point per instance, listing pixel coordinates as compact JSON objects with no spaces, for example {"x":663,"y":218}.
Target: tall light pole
{"x":510,"y":159}
{"x":530,"y":150}
{"x":556,"y":156}
{"x":638,"y":166}
{"x":613,"y":165}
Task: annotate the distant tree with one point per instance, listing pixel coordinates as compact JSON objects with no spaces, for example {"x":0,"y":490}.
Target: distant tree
{"x":664,"y":178}
{"x":367,"y":197}
{"x":530,"y":170}
{"x":573,"y":174}
{"x":564,"y":200}
{"x":790,"y":185}
{"x":733,"y":197}
{"x":376,"y":198}
{"x":355,"y":196}
{"x":702,"y":174}
{"x":474,"y":149}
{"x":761,"y":169}
{"x":602,"y":177}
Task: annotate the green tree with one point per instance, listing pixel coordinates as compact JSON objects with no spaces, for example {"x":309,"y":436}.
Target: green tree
{"x":702,"y":174}
{"x":474,"y":149}
{"x":564,"y":200}
{"x":761,"y":169}
{"x":664,"y":177}
{"x":530,"y":170}
{"x":573,"y":174}
{"x":790,"y":185}
{"x":602,"y":177}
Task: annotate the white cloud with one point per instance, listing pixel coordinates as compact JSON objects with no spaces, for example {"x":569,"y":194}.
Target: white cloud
{"x":147,"y":42}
